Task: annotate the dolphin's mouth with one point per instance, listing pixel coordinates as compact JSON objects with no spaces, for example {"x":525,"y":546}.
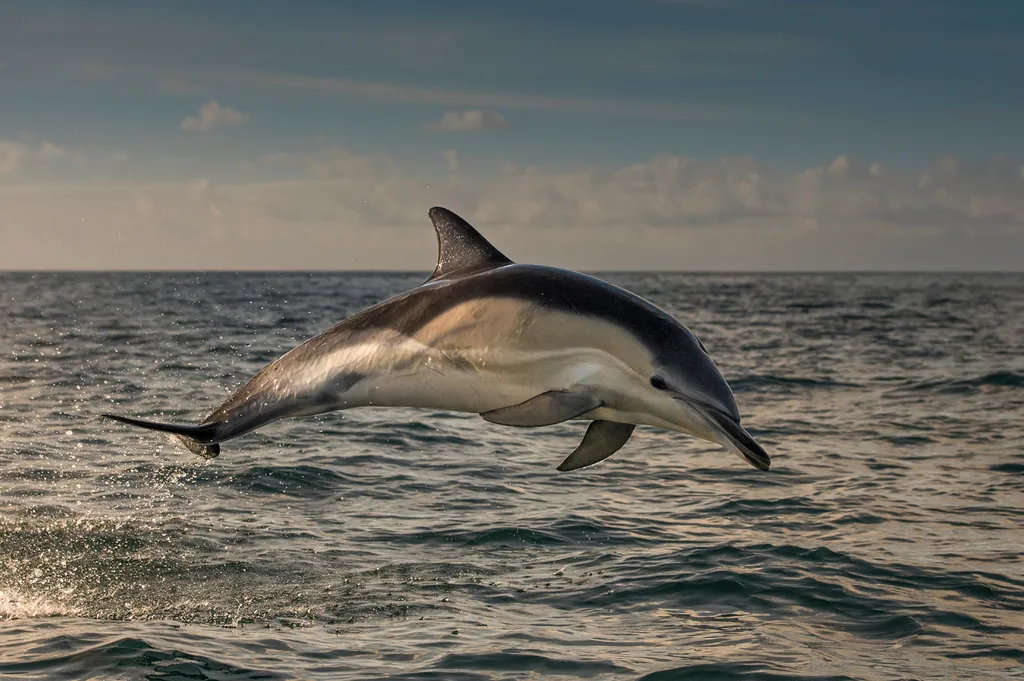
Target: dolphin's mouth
{"x":742,"y":441}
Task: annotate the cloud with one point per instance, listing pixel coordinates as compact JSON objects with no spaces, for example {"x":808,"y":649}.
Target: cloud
{"x":333,"y":163}
{"x":12,"y":156}
{"x":51,"y":152}
{"x":337,"y":209}
{"x":16,"y":156}
{"x":213,"y":115}
{"x":411,"y":94}
{"x":205,"y":79}
{"x":451,"y":159}
{"x":464,"y":121}
{"x":708,"y":4}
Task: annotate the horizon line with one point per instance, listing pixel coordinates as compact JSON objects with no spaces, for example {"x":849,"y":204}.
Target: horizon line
{"x":427,"y":272}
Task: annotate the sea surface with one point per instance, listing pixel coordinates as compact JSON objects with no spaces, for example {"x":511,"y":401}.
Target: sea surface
{"x":886,"y":542}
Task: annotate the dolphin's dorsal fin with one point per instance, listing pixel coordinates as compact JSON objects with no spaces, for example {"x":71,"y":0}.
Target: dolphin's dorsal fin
{"x":460,"y":248}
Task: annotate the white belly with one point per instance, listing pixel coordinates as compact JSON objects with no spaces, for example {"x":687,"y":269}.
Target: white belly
{"x":479,"y":380}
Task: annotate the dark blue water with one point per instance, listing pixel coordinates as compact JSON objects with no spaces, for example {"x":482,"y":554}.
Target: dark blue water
{"x":885,"y":543}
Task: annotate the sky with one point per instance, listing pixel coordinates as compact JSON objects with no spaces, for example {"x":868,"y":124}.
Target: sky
{"x":694,"y":135}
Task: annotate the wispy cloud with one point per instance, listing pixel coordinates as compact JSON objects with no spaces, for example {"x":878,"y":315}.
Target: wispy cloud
{"x":466,"y":121}
{"x":16,"y":156}
{"x":713,"y":4}
{"x":213,"y":115}
{"x":201,"y":79}
{"x":13,"y":156}
{"x":451,"y":159}
{"x":412,"y":94}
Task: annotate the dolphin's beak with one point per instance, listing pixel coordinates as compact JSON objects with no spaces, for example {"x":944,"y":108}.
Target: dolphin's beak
{"x":731,"y":435}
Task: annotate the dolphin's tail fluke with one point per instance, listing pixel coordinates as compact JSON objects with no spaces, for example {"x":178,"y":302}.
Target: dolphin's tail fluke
{"x":201,"y":439}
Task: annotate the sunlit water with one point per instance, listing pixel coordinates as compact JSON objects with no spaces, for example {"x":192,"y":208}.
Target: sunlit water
{"x":885,"y":543}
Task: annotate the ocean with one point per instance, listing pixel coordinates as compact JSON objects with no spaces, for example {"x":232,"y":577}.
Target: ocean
{"x":886,"y":543}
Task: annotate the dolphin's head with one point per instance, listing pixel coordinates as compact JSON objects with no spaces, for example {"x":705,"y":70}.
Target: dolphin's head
{"x":686,"y":391}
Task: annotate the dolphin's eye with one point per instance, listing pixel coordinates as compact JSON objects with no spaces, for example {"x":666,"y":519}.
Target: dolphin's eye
{"x":658,"y":383}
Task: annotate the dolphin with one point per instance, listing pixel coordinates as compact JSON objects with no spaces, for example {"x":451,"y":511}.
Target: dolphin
{"x":520,"y":345}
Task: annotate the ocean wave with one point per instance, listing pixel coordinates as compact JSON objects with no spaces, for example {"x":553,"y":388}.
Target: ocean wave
{"x":552,"y":533}
{"x":300,"y":480}
{"x":764,"y":382}
{"x":734,"y":671}
{"x":959,"y":386}
{"x":512,"y":661}
{"x":125,"y":657}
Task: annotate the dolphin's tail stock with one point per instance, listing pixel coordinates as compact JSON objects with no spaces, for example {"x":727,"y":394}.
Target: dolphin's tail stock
{"x":201,"y":439}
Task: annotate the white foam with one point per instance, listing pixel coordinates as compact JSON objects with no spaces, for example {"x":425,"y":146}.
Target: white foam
{"x":15,"y":606}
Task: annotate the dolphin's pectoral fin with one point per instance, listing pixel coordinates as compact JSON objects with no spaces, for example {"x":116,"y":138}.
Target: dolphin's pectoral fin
{"x":545,"y":409}
{"x":603,"y":438}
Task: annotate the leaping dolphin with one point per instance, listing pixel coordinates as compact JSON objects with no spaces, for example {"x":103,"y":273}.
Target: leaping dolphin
{"x":521,"y":345}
